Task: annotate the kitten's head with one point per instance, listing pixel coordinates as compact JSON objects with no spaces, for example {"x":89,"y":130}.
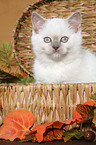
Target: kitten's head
{"x":56,"y":38}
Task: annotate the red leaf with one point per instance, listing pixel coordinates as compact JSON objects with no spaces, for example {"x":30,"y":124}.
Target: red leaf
{"x":79,"y":117}
{"x":53,"y":134}
{"x":42,"y":130}
{"x":17,"y":124}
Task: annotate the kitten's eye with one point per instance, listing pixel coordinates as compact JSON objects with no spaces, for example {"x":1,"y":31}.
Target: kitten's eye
{"x":47,"y":39}
{"x":64,"y":39}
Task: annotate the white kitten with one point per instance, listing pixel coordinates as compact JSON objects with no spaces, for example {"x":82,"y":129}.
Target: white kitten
{"x":59,"y":57}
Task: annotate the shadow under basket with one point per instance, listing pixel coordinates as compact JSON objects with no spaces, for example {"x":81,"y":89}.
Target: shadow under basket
{"x":48,"y":102}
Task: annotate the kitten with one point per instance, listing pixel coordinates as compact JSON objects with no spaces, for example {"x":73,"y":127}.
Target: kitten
{"x":59,"y":57}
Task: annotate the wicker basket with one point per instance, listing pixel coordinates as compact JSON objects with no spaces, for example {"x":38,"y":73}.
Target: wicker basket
{"x":48,"y":102}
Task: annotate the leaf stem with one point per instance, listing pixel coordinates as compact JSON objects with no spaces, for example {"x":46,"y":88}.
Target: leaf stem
{"x":81,"y":126}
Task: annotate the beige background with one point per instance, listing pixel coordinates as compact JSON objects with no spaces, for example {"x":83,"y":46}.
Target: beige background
{"x":10,"y":11}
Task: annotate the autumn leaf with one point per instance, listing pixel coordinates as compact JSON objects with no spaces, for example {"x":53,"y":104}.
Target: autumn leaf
{"x":94,"y":118}
{"x":49,"y":135}
{"x":9,"y":64}
{"x":93,"y":97}
{"x":16,"y":124}
{"x":40,"y":130}
{"x":84,"y":111}
{"x":30,"y":137}
{"x":7,"y":58}
{"x":7,"y":78}
{"x":48,"y":131}
{"x":68,"y":135}
{"x":53,"y":134}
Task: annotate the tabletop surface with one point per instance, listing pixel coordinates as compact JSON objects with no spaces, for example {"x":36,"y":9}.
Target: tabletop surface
{"x":75,"y":142}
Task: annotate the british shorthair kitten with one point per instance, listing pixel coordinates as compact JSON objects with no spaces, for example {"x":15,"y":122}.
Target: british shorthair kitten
{"x":59,"y":57}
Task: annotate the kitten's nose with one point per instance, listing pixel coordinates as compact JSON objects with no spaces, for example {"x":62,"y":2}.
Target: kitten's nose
{"x":55,"y":44}
{"x":55,"y":47}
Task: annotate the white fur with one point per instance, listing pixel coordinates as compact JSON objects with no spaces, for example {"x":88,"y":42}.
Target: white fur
{"x":70,"y":63}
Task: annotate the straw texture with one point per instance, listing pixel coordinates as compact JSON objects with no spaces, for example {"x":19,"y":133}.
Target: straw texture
{"x":46,"y":102}
{"x":52,"y":8}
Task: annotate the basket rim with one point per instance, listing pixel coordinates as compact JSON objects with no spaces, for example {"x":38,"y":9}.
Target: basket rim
{"x":42,"y":85}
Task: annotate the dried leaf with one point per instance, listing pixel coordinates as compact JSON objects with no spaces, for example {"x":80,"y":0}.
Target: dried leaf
{"x":47,"y":131}
{"x":93,"y":97}
{"x":53,"y":134}
{"x":16,"y":124}
{"x":94,"y":118}
{"x":73,"y":133}
{"x":40,"y":130}
{"x":8,"y":63}
{"x":7,"y":58}
{"x":7,"y":78}
{"x":84,"y":111}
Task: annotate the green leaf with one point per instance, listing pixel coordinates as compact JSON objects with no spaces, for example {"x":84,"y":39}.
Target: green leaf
{"x":7,"y":57}
{"x":6,"y":53}
{"x":73,"y":133}
{"x":27,"y":80}
{"x":29,"y":137}
{"x":9,"y":66}
{"x":93,"y":97}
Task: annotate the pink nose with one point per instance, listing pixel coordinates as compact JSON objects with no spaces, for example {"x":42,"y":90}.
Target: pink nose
{"x":55,"y":47}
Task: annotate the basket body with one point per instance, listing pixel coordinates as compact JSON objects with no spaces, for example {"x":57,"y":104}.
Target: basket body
{"x":46,"y":102}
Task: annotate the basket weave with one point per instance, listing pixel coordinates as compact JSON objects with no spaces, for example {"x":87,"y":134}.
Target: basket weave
{"x":52,"y":8}
{"x":48,"y":102}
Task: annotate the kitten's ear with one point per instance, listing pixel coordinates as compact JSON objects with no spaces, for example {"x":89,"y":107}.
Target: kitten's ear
{"x":75,"y":21}
{"x":37,"y":21}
